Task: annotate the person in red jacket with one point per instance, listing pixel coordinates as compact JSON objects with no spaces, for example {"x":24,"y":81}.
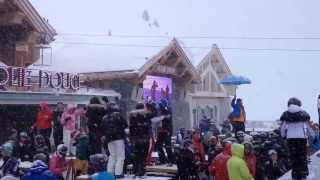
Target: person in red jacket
{"x":58,"y":163}
{"x":250,"y":158}
{"x":218,"y":167}
{"x":43,"y":124}
{"x":198,"y":147}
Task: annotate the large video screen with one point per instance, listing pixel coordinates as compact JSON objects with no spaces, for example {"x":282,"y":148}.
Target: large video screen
{"x":157,"y":88}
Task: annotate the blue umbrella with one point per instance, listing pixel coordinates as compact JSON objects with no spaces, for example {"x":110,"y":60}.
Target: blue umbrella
{"x":235,"y":80}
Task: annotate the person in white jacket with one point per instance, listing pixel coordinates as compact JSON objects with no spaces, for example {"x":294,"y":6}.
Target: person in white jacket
{"x":295,"y":129}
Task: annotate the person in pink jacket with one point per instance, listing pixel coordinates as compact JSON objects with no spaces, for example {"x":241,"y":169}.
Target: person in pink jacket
{"x":69,"y":120}
{"x":58,"y":163}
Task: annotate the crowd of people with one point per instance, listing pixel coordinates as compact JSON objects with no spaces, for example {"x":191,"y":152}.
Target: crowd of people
{"x":104,"y":143}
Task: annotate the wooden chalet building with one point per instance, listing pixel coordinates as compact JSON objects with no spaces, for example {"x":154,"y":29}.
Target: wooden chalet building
{"x":210,"y":98}
{"x":196,"y":90}
{"x":171,"y":62}
{"x":22,"y":33}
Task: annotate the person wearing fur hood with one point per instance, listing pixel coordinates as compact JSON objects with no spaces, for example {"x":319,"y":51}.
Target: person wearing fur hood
{"x":96,"y":110}
{"x":295,"y":129}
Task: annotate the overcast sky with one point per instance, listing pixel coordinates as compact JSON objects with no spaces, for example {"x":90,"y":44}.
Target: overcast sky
{"x":276,"y":76}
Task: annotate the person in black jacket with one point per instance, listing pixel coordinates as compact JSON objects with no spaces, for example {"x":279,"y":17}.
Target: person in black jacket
{"x":140,"y":125}
{"x":275,"y":167}
{"x":186,"y":163}
{"x":114,"y":125}
{"x":295,"y":129}
{"x":40,"y":146}
{"x":57,"y":127}
{"x":214,"y":148}
{"x":23,"y":148}
{"x":95,"y":112}
{"x":164,"y":134}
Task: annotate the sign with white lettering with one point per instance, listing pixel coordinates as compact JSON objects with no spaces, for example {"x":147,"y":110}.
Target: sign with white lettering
{"x":25,"y":77}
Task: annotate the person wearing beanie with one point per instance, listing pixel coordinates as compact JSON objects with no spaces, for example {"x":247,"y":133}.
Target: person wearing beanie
{"x":58,"y":163}
{"x":99,"y":163}
{"x":140,"y":125}
{"x":275,"y":167}
{"x":40,"y":145}
{"x":96,"y":110}
{"x":164,"y":134}
{"x":114,"y":125}
{"x":186,"y":162}
{"x":9,"y":170}
{"x":295,"y":129}
{"x":39,"y":169}
{"x":82,"y":153}
{"x":23,"y":148}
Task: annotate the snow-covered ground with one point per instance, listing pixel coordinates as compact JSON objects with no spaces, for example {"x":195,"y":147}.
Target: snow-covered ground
{"x":145,"y":178}
{"x":314,"y":173}
{"x":148,"y":178}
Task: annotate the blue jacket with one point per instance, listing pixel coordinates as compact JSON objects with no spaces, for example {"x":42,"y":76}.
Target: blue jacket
{"x":204,"y":125}
{"x":102,"y":176}
{"x":39,"y":172}
{"x":236,"y":108}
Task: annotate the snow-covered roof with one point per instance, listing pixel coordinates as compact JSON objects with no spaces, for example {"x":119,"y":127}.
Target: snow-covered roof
{"x":81,"y":58}
{"x":114,"y":59}
{"x":173,"y":47}
{"x":40,"y":24}
{"x":215,"y":53}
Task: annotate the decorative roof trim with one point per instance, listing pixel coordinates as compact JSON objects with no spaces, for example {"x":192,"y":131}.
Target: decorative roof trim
{"x":173,"y":46}
{"x":39,"y":23}
{"x":215,"y":51}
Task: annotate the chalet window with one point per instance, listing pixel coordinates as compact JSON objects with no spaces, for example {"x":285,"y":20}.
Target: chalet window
{"x":208,"y":112}
{"x":199,"y":115}
{"x":211,"y":113}
{"x":194,"y":113}
{"x":204,"y":85}
{"x":213,"y":83}
{"x":216,"y":112}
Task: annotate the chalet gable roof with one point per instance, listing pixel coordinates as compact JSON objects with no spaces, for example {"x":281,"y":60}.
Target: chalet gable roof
{"x":172,"y":56}
{"x":215,"y":55}
{"x":215,"y":66}
{"x":39,"y":23}
{"x":173,"y":47}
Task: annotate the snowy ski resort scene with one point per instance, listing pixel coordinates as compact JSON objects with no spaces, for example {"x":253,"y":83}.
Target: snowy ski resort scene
{"x":159,"y":90}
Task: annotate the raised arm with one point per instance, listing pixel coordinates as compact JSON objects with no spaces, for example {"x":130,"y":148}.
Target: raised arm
{"x":233,"y":102}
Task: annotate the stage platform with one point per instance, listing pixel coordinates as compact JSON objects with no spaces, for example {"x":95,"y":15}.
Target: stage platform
{"x":314,"y":167}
